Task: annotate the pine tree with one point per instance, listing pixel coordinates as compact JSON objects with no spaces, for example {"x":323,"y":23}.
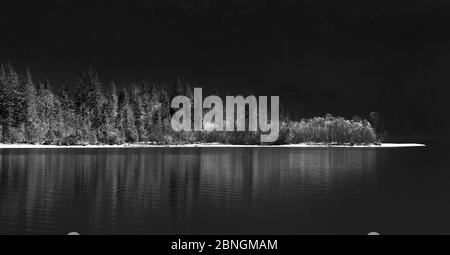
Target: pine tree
{"x":13,"y":110}
{"x":90,"y":100}
{"x":152,"y":113}
{"x":47,"y":105}
{"x":165,"y":106}
{"x":3,"y":103}
{"x":139,"y":113}
{"x":111,"y":116}
{"x":32,"y":126}
{"x":67,"y":112}
{"x":127,"y":119}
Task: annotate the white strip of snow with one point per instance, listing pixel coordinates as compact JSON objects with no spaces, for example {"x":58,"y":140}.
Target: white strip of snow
{"x":210,"y":145}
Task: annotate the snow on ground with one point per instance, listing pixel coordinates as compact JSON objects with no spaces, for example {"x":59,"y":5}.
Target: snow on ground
{"x":209,"y":145}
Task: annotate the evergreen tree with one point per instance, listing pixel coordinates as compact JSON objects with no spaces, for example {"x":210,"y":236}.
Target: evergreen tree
{"x":111,"y":116}
{"x":66,"y":112}
{"x":127,"y":119}
{"x":4,"y":103}
{"x":139,"y":112}
{"x":32,"y":125}
{"x":13,"y":104}
{"x":165,"y":106}
{"x":46,"y":108}
{"x":153,"y":113}
{"x":90,"y":99}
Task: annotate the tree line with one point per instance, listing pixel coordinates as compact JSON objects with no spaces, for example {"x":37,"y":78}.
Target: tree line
{"x":35,"y":113}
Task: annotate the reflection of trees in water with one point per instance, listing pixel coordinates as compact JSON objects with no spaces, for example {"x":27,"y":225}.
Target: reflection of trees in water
{"x":245,"y":176}
{"x":135,"y":190}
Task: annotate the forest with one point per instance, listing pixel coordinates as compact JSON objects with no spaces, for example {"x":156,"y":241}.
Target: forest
{"x":35,"y":113}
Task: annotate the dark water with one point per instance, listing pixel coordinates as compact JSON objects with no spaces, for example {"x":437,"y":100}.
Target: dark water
{"x":225,"y":190}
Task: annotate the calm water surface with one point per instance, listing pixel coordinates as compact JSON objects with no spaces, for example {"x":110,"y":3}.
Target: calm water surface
{"x":225,"y":190}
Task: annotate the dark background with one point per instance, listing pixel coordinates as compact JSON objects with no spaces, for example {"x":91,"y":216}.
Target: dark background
{"x":341,"y":57}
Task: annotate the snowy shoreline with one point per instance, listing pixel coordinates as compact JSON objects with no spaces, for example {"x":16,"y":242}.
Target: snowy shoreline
{"x":209,"y":145}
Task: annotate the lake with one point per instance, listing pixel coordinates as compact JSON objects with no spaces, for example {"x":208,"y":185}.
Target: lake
{"x":225,"y":190}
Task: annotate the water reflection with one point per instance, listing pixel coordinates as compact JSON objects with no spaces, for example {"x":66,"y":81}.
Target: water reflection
{"x":190,"y":190}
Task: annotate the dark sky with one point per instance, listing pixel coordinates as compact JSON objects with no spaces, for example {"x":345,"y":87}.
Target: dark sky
{"x":341,"y":57}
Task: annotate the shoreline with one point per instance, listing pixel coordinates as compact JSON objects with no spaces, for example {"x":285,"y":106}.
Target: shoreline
{"x":208,"y":145}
